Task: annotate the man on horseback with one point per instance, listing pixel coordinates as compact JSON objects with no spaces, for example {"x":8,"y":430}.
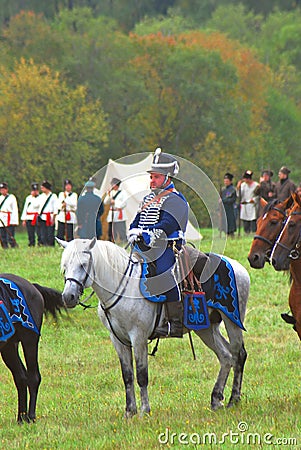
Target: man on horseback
{"x":159,"y":230}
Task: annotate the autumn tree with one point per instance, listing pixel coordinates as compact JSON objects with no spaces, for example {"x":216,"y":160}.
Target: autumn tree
{"x":47,"y":130}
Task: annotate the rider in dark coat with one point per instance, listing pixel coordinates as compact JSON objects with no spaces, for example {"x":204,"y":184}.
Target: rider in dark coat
{"x":158,"y":227}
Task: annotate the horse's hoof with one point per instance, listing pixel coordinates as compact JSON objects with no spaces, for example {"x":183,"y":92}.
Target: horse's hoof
{"x":233,"y":402}
{"x":130,"y":414}
{"x":23,"y":418}
{"x":145,"y":412}
{"x":216,"y":405}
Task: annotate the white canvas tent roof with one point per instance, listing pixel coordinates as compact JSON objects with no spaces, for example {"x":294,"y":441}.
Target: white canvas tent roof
{"x":135,"y":182}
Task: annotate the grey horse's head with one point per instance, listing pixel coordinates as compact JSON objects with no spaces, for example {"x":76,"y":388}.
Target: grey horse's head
{"x":77,"y":267}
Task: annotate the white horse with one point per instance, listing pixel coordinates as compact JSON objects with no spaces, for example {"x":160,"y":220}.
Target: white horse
{"x":131,"y":319}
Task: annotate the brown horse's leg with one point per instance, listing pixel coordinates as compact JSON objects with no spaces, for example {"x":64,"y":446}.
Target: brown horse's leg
{"x":295,"y":294}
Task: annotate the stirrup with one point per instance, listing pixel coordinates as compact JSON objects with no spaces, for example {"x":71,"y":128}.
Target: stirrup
{"x":160,"y":332}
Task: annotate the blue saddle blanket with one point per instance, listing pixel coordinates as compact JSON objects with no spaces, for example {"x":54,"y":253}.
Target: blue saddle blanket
{"x":7,"y":328}
{"x":220,"y":290}
{"x":16,"y":306}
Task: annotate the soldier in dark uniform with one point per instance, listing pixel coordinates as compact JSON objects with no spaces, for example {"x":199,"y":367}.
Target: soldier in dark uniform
{"x":158,"y":227}
{"x":228,"y":198}
{"x":89,"y":211}
{"x":284,"y":187}
{"x":267,"y":187}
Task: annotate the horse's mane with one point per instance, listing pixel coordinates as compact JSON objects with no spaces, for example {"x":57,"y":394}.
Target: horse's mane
{"x":107,"y":255}
{"x":112,"y":254}
{"x":270,"y":205}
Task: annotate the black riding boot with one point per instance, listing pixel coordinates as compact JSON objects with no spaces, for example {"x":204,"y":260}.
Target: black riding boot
{"x":174,"y":326}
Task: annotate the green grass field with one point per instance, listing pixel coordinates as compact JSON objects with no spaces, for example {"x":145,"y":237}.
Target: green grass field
{"x":81,"y":400}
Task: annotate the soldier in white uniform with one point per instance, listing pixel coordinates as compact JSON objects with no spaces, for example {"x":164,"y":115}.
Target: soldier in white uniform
{"x":116,"y":218}
{"x":29,"y":216}
{"x":246,"y":188}
{"x":47,"y":213}
{"x":9,"y":217}
{"x":67,"y":204}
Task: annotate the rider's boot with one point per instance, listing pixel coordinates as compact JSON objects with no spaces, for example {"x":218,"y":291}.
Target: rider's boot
{"x":173,"y":327}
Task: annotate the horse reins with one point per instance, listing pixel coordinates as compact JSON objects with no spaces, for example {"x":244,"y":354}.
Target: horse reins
{"x":293,"y":252}
{"x":266,"y":240}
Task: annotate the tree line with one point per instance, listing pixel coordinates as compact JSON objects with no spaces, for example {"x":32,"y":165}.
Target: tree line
{"x":79,"y":86}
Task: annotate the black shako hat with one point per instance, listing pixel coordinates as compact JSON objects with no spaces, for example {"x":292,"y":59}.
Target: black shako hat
{"x":164,"y":163}
{"x":3,"y":185}
{"x":248,"y":174}
{"x":229,"y":176}
{"x":46,"y":185}
{"x":34,"y":186}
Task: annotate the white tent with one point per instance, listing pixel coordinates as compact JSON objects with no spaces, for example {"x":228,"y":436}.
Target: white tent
{"x":135,"y":182}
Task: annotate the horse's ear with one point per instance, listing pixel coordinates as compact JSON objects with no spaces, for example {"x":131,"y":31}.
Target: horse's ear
{"x":61,"y":242}
{"x":92,"y":243}
{"x":289,"y":201}
{"x":297,"y":198}
{"x":263,"y":202}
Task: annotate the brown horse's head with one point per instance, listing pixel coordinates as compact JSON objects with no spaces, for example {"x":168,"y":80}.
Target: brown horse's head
{"x":288,"y":244}
{"x":269,"y":226}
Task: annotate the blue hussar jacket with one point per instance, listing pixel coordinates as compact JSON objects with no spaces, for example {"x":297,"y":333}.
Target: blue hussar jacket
{"x":162,"y":215}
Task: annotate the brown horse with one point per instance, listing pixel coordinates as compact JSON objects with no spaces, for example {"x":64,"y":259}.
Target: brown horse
{"x":288,"y":243}
{"x":269,"y":226}
{"x":286,"y":254}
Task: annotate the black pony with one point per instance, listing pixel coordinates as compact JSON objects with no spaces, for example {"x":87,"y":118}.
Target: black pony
{"x":22,"y":305}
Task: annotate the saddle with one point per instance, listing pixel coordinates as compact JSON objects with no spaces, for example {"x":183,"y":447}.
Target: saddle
{"x":219,"y":291}
{"x":192,"y":312}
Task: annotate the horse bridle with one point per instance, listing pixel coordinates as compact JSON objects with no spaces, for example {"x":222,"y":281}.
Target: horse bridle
{"x":294,"y":251}
{"x":82,"y":284}
{"x":266,"y":240}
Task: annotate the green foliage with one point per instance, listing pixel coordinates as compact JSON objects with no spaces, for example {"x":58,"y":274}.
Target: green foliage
{"x":172,"y":24}
{"x":200,"y":94}
{"x":238,"y":23}
{"x":48,"y":130}
{"x":279,"y":37}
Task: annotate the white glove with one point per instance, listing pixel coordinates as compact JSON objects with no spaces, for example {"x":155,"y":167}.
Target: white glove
{"x":132,"y":239}
{"x":134,"y":233}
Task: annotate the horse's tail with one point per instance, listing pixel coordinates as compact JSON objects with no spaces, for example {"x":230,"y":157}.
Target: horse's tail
{"x":53,"y":300}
